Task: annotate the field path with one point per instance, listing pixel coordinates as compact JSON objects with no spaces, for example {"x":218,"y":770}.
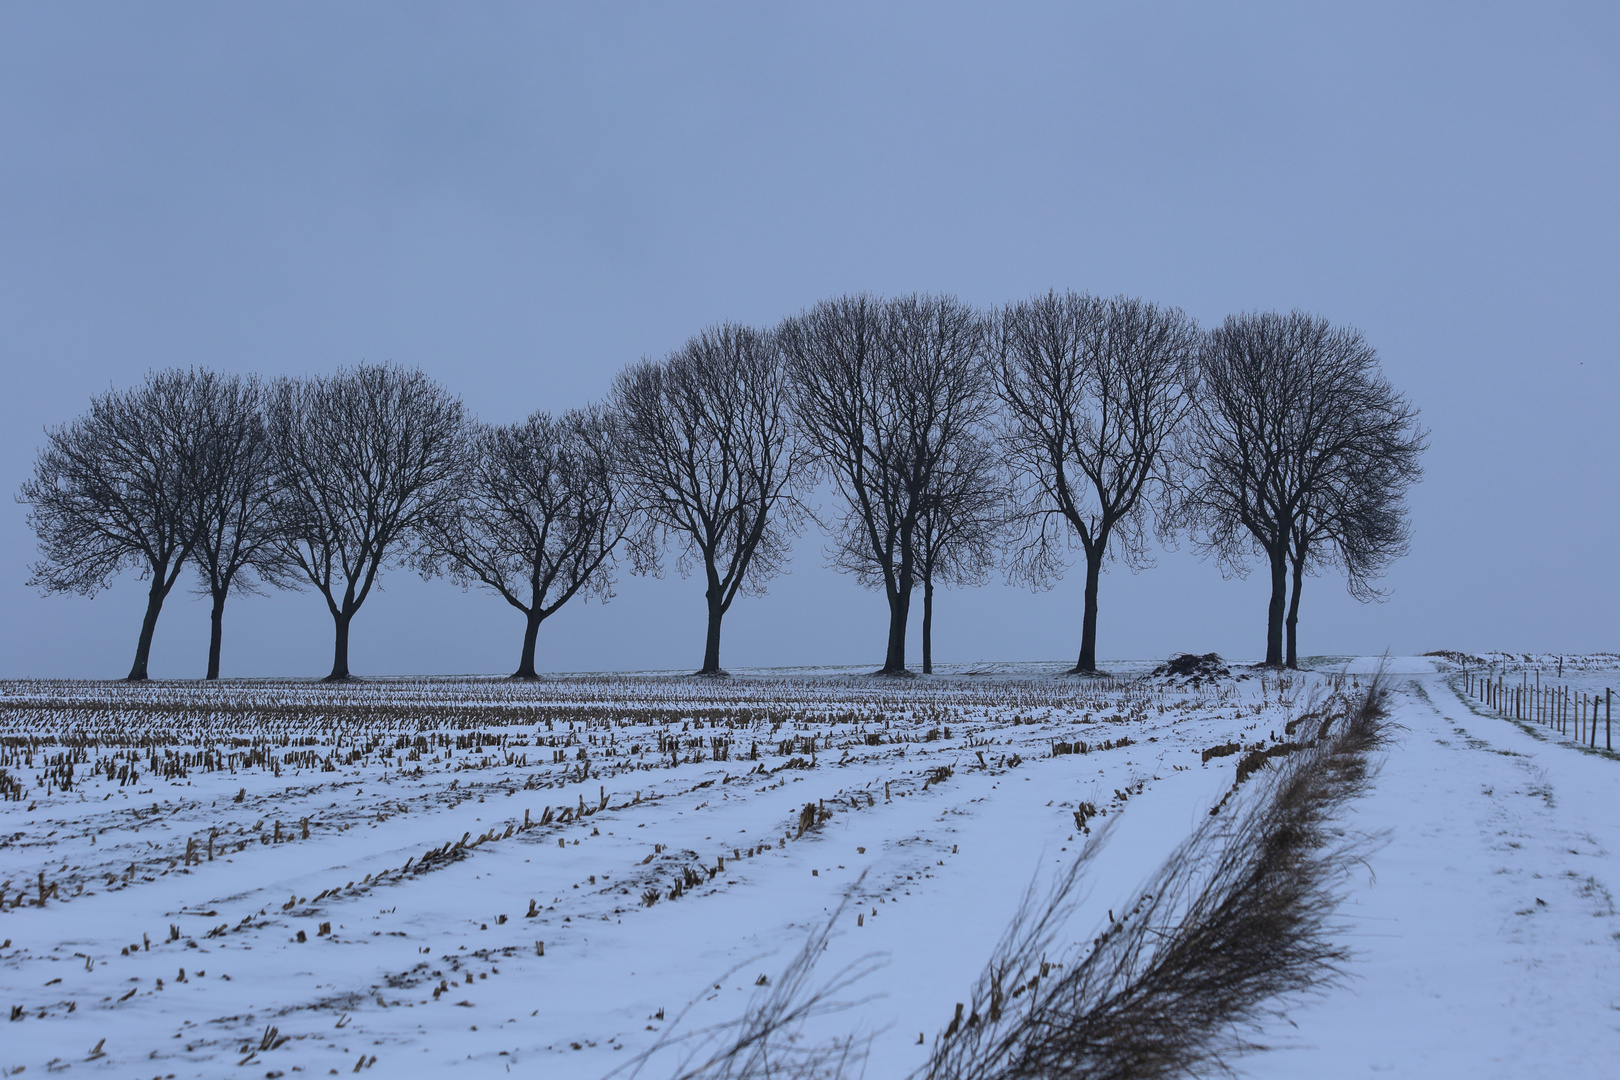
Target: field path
{"x":1486,"y":938}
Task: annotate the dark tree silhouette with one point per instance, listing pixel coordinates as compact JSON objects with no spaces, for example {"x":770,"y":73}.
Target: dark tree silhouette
{"x":121,"y":486}
{"x":364,"y":458}
{"x":711,"y":458}
{"x":239,"y":544}
{"x":1357,"y":523}
{"x":887,"y":393}
{"x":539,"y":513}
{"x":958,"y":531}
{"x":1094,"y":391}
{"x":1303,"y":453}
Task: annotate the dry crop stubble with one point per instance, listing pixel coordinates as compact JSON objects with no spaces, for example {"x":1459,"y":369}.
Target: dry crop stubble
{"x":305,"y":807}
{"x":1232,"y":925}
{"x":1234,"y":921}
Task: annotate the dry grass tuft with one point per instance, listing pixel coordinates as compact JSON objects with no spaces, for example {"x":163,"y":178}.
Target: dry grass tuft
{"x":1235,"y":919}
{"x":767,"y":1042}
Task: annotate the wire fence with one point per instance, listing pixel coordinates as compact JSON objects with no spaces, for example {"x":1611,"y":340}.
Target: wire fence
{"x":1560,"y":708}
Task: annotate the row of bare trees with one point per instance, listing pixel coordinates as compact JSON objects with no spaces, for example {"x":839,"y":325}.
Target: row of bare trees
{"x":950,"y":442}
{"x":320,"y":481}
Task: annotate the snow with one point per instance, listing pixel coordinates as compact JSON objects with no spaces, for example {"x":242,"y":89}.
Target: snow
{"x":1458,"y":970}
{"x":1485,"y":931}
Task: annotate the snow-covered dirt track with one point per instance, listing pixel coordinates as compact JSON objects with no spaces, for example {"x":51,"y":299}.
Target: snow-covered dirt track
{"x":268,"y":878}
{"x":1486,"y":938}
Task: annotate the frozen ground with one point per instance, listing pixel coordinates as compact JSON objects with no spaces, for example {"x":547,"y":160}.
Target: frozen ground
{"x":1485,"y":928}
{"x":1484,"y":933}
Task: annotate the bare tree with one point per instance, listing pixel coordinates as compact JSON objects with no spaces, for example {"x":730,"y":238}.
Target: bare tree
{"x":1303,"y":453}
{"x":1357,"y":523}
{"x":712,"y":460}
{"x":364,"y":458}
{"x":958,"y":531}
{"x":239,"y":543}
{"x":121,"y":486}
{"x":887,"y":393}
{"x":539,"y":513}
{"x":1094,"y":391}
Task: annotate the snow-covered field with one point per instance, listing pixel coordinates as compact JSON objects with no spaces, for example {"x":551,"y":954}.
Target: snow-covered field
{"x":268,"y":878}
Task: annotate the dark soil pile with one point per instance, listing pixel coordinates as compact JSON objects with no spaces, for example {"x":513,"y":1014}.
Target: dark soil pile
{"x":1193,"y":666}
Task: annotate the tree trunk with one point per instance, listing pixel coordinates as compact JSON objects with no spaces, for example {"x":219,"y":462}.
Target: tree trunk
{"x":711,"y":644}
{"x":928,"y":626}
{"x":1087,"y":664}
{"x":531,"y":634}
{"x":894,"y":663}
{"x":1279,"y":606}
{"x":143,"y":648}
{"x":1293,"y":615}
{"x":340,"y":648}
{"x":216,"y":624}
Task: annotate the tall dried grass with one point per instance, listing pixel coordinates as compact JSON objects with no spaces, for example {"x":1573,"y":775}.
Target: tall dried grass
{"x":1234,"y":922}
{"x":767,"y":1042}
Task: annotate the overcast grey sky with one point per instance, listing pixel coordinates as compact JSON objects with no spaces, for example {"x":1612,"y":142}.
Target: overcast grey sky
{"x":522,"y":200}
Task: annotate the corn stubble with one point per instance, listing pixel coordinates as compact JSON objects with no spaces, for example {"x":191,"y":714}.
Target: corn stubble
{"x":1233,"y":925}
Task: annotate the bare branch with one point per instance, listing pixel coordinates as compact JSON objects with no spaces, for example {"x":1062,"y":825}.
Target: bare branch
{"x":240,"y":544}
{"x":713,"y":463}
{"x":1095,"y":391}
{"x":539,"y":510}
{"x":364,"y":459}
{"x":1303,"y":454}
{"x":124,"y":486}
{"x":890,"y":395}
